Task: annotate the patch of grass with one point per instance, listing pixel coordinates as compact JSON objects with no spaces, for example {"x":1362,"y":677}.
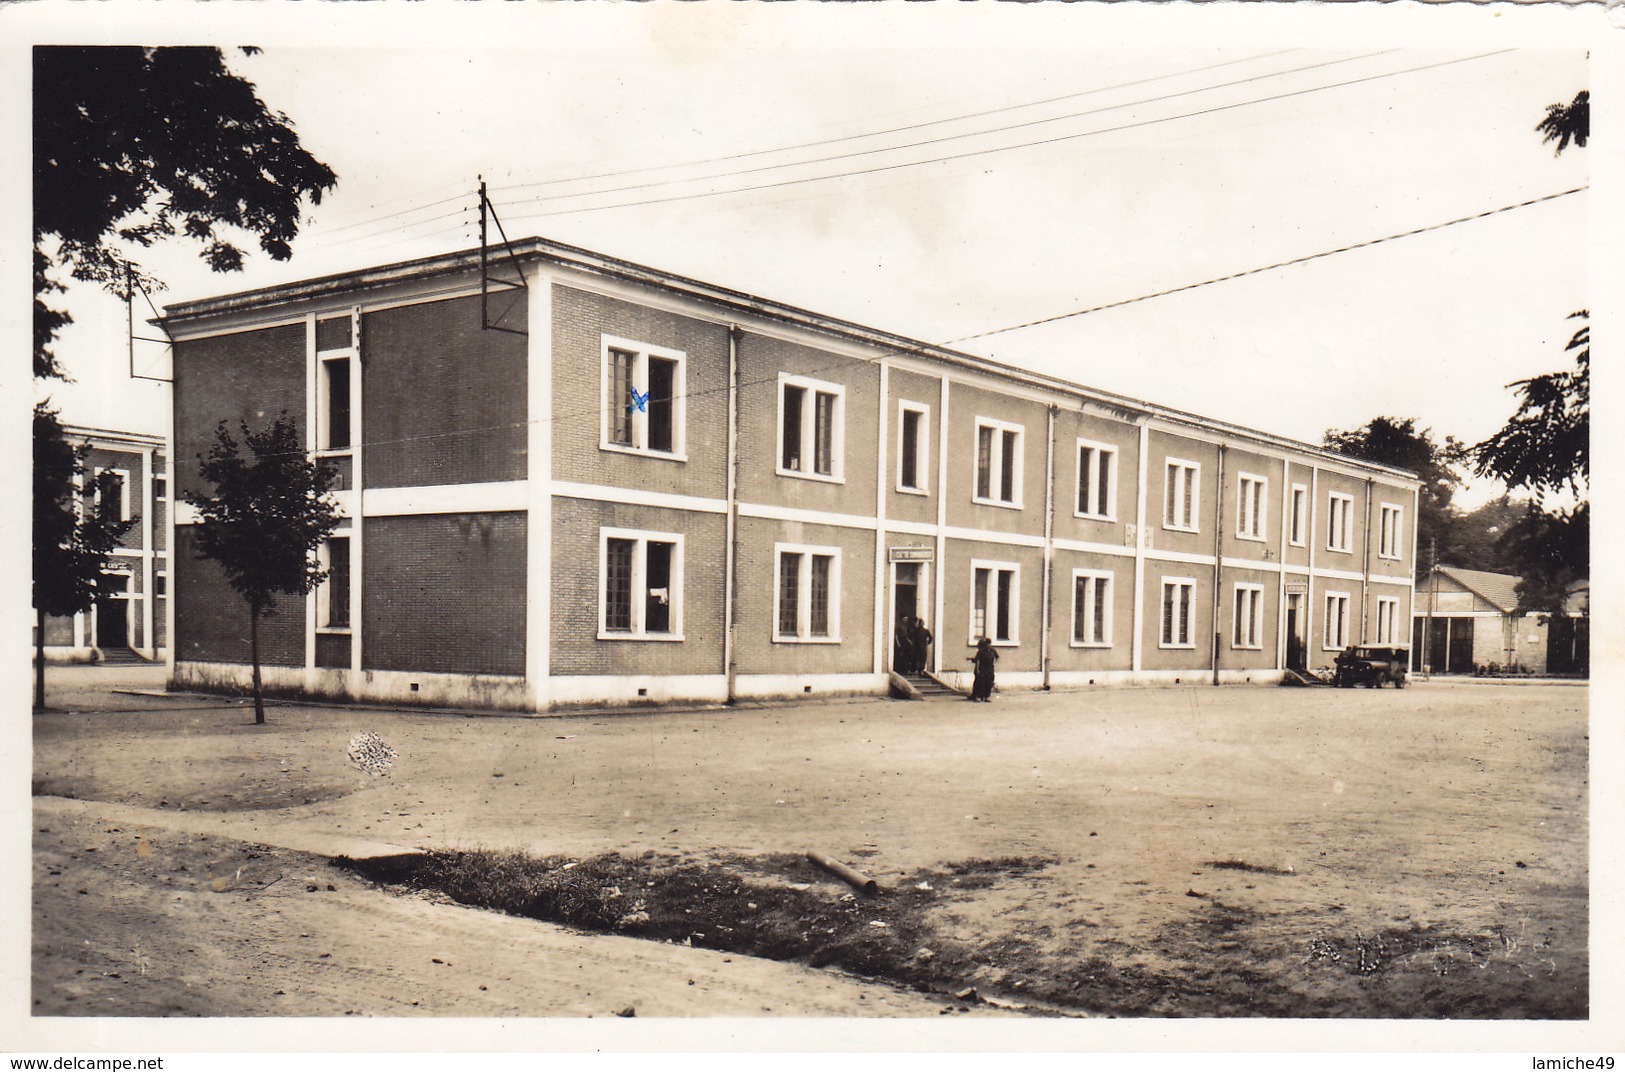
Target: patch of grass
{"x":1252,"y":869}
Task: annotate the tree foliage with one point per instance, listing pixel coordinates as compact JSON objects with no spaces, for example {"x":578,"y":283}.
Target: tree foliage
{"x":1545,"y":446}
{"x":133,"y":145}
{"x":1549,"y":551}
{"x":1565,"y":123}
{"x":75,"y":529}
{"x":269,"y":512}
{"x":1398,"y":442}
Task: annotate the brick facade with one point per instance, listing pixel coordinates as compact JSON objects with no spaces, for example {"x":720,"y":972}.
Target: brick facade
{"x":590,"y":557}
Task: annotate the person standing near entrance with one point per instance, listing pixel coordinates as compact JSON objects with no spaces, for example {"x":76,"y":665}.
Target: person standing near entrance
{"x":922,"y":646}
{"x":903,"y":646}
{"x":982,"y":664}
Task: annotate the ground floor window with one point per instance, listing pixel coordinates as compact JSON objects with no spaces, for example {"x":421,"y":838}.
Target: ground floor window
{"x":1387,"y":620}
{"x":1178,"y":595}
{"x":641,"y":591}
{"x":1091,"y":609}
{"x":1337,"y":621}
{"x":1249,"y":617}
{"x":333,"y":597}
{"x":993,"y":601}
{"x":807,"y":603}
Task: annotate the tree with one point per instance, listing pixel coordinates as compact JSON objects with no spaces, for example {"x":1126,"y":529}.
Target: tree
{"x":1545,"y":446}
{"x":75,"y":529}
{"x":133,"y":145}
{"x":1391,"y":441}
{"x":263,"y":523}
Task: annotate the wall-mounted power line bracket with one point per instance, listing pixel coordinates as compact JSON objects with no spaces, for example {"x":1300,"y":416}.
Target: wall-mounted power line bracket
{"x":130,"y":287}
{"x":495,"y":286}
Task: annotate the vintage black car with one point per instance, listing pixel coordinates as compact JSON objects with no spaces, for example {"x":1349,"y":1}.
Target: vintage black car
{"x":1371,"y":667}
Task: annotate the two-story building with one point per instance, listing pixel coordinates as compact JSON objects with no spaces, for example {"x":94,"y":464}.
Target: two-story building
{"x":613,"y":484}
{"x":129,"y":619}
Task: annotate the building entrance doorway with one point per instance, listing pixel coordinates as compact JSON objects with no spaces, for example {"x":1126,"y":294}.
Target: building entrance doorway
{"x":909,"y":654}
{"x":113,"y":612}
{"x":1294,"y":631}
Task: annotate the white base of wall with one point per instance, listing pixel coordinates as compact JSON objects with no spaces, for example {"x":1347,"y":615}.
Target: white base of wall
{"x":512,"y":694}
{"x":65,"y":654}
{"x":485,"y":692}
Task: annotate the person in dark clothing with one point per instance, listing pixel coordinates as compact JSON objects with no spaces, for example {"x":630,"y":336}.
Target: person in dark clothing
{"x":982,"y":663}
{"x":922,"y":646}
{"x":903,"y":645}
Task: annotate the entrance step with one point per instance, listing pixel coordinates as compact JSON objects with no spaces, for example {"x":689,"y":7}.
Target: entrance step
{"x":123,"y":657}
{"x":1301,"y":677}
{"x":930,"y":688}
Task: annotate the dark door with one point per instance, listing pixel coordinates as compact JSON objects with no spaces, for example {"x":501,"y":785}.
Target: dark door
{"x":1460,"y":659}
{"x":112,"y":623}
{"x":906,"y":607}
{"x":1294,"y":639}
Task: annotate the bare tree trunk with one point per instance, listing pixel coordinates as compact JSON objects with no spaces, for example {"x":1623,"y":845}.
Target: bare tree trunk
{"x":39,"y":660}
{"x":254,"y":656}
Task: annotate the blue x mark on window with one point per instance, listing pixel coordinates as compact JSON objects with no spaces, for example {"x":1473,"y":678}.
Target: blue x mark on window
{"x":640,"y":401}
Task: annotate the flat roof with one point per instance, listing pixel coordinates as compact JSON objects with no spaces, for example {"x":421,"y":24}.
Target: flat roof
{"x":542,"y":249}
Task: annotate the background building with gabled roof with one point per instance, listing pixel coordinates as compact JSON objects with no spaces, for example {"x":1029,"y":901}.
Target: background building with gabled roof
{"x":1468,"y":621}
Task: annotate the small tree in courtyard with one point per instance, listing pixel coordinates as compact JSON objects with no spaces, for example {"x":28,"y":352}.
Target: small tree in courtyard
{"x":76,"y":527}
{"x":269,"y":513}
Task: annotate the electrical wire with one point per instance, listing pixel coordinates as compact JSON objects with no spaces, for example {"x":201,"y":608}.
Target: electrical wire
{"x":1271,"y":267}
{"x":999,"y":149}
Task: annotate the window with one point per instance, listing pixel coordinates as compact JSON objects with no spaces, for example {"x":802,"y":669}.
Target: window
{"x":1178,"y":594}
{"x":1335,"y":636}
{"x":1091,"y":609}
{"x":1249,"y":617}
{"x":913,"y":432}
{"x":998,"y":463}
{"x":333,"y":598}
{"x":1181,"y":495}
{"x":993,"y":601}
{"x":1097,"y":480}
{"x":808,"y":598}
{"x":160,"y":584}
{"x":1388,"y":631}
{"x":643,"y":398}
{"x":641,"y":597}
{"x":1300,"y":515}
{"x":333,"y":414}
{"x":811,"y":428}
{"x":1388,"y":530}
{"x":118,"y":487}
{"x":1250,"y":506}
{"x":160,"y":487}
{"x":1339,"y":514}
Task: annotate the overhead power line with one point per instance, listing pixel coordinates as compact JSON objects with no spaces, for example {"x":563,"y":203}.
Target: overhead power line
{"x":1008,"y":128}
{"x":882,"y":133}
{"x":1003,"y":148}
{"x":1268,"y":267}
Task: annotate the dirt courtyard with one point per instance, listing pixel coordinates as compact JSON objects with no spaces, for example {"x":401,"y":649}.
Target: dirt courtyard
{"x":1140,"y":852}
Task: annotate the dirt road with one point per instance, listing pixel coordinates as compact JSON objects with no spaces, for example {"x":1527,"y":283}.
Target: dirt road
{"x":1199,"y":851}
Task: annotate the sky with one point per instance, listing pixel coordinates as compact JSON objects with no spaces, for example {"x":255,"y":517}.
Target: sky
{"x":1091,"y":168}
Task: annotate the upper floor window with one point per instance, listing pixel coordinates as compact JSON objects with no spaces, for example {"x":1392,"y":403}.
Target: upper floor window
{"x":333,"y":410}
{"x":1091,"y":609}
{"x":114,"y":483}
{"x":1389,"y":530}
{"x":913,"y":435}
{"x":807,"y":603}
{"x":998,"y":462}
{"x":1339,"y":521}
{"x":1097,"y":480}
{"x":994,"y":593}
{"x":641,"y":594}
{"x":160,"y":487}
{"x":643,"y":398}
{"x":1298,"y":530}
{"x":1181,"y":495}
{"x":1252,"y":495}
{"x":812,"y":417}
